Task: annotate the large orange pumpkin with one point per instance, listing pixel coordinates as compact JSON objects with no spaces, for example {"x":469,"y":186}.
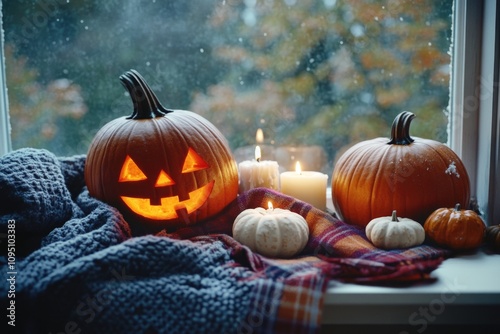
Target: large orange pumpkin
{"x":414,"y":176}
{"x":160,"y":167}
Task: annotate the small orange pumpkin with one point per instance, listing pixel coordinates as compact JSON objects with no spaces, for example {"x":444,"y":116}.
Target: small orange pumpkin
{"x":455,"y":228}
{"x":160,"y":167}
{"x":414,"y":176}
{"x":492,"y":237}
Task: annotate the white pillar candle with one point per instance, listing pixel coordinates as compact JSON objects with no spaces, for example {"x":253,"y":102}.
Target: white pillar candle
{"x":307,"y":186}
{"x":258,"y":173}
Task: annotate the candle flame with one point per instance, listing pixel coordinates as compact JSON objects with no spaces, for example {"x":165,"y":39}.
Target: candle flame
{"x":270,"y":205}
{"x":297,"y":168}
{"x":259,"y":136}
{"x":257,"y":153}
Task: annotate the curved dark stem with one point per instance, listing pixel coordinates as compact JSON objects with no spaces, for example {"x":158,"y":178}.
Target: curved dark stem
{"x":400,"y":132}
{"x":146,"y":104}
{"x":154,"y":100}
{"x":129,"y":85}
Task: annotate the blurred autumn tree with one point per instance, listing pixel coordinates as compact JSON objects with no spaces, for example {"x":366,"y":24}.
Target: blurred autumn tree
{"x":331,"y":72}
{"x":40,"y":111}
{"x":89,"y":44}
{"x":308,"y":72}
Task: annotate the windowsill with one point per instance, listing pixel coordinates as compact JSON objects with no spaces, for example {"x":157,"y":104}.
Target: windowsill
{"x":466,"y":291}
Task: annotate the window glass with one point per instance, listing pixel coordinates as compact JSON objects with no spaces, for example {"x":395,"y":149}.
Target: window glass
{"x":314,"y":75}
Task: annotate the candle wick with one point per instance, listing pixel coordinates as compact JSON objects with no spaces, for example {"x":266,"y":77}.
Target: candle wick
{"x":258,"y":159}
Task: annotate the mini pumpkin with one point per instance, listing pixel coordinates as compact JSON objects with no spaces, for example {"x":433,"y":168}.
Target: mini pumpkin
{"x":394,"y":232}
{"x":414,"y":176}
{"x":492,"y":236}
{"x":160,"y":167}
{"x":455,"y":228}
{"x":272,"y":232}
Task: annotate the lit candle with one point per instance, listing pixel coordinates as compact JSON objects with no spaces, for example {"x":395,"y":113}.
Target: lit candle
{"x":307,"y":186}
{"x":258,"y":173}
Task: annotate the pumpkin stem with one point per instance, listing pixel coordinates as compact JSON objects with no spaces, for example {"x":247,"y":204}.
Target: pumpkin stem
{"x":400,"y":132}
{"x":146,"y":104}
{"x":458,"y":207}
{"x":394,"y":217}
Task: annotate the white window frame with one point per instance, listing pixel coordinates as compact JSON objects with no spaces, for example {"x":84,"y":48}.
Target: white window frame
{"x":474,"y":104}
{"x":475,"y":134}
{"x":5,"y":144}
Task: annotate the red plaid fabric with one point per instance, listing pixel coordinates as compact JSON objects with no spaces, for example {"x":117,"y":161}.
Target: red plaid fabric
{"x":288,"y":296}
{"x":342,"y":251}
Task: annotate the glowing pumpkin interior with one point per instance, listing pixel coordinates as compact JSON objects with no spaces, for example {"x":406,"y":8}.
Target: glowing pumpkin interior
{"x":169,"y":207}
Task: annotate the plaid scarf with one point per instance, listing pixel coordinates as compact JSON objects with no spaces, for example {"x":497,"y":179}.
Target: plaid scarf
{"x":340,"y":250}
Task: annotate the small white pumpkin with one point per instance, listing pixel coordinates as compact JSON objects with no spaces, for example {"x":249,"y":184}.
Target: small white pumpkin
{"x":395,"y":232}
{"x":274,"y":233}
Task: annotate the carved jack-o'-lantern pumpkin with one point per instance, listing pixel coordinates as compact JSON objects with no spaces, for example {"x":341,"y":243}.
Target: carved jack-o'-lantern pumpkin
{"x":161,"y":167}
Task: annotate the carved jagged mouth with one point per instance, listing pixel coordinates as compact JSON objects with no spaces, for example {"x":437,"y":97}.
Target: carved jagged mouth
{"x":169,"y":206}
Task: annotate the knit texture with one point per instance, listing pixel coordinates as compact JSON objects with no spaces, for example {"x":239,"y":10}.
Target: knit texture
{"x":78,"y":266}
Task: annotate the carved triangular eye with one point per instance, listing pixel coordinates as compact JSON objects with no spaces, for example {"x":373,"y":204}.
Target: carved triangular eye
{"x":193,"y":162}
{"x":164,"y":180}
{"x":130,"y":171}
